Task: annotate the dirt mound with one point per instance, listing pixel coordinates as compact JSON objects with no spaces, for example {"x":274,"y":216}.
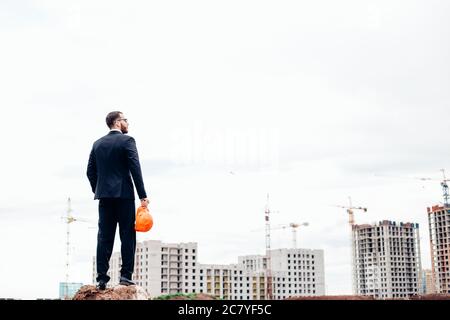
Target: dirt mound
{"x":202,"y":296}
{"x":333,"y":298}
{"x":90,"y":292}
{"x":188,"y":296}
{"x":431,"y":297}
{"x":349,"y":297}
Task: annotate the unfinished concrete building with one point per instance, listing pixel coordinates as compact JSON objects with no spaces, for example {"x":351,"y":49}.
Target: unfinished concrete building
{"x":439,"y":226}
{"x":428,"y":286}
{"x":386,"y":260}
{"x":169,"y":268}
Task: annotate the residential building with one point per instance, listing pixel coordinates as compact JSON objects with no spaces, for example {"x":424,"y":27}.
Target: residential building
{"x":169,"y":268}
{"x":439,"y":227}
{"x":386,"y":259}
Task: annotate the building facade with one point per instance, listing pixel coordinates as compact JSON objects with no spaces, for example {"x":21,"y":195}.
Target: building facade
{"x":428,"y":286}
{"x":169,"y":268}
{"x":386,"y":260}
{"x":295,"y":272}
{"x":439,"y":227}
{"x":67,"y":290}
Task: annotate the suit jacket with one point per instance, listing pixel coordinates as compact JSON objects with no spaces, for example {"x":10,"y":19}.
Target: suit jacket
{"x":112,"y":162}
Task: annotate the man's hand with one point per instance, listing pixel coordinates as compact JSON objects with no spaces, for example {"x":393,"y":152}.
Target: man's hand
{"x":145,"y":202}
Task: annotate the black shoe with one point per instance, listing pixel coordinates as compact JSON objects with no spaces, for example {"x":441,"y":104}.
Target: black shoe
{"x":101,"y":285}
{"x":126,"y":282}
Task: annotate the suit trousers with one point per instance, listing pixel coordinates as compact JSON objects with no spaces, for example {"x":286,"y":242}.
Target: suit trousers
{"x":113,"y":211}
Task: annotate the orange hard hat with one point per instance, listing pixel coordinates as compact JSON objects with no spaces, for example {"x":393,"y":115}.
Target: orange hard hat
{"x":144,"y":220}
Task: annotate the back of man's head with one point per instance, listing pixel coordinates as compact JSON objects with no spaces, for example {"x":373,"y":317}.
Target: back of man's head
{"x":111,"y":117}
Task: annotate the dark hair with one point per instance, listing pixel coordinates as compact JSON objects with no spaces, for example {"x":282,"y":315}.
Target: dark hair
{"x":111,"y":117}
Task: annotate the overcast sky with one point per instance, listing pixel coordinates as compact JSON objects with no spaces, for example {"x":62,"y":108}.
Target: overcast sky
{"x":304,"y":100}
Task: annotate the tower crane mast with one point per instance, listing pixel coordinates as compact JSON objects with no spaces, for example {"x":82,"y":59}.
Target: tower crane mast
{"x":351,"y":221}
{"x":294,"y":227}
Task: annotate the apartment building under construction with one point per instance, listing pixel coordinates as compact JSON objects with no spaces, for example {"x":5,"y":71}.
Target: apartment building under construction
{"x":386,"y":259}
{"x":439,"y":227}
{"x":169,"y":268}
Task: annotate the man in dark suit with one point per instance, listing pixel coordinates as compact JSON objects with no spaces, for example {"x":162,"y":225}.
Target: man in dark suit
{"x":113,"y":161}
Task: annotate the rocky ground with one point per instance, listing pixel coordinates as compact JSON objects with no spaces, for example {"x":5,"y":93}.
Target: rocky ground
{"x":90,"y":292}
{"x":350,"y":297}
{"x":333,"y":298}
{"x":194,"y":296}
{"x":431,"y":297}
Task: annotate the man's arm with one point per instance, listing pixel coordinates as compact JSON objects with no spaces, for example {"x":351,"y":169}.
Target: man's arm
{"x":92,"y":170}
{"x":135,"y":167}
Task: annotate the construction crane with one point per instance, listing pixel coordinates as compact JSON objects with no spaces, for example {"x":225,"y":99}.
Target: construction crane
{"x":68,"y":219}
{"x":269,"y":292}
{"x":444,"y":184}
{"x":294,"y":227}
{"x":350,"y":208}
{"x":351,"y":222}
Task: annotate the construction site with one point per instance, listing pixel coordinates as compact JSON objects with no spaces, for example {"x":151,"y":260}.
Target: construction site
{"x":385,"y":264}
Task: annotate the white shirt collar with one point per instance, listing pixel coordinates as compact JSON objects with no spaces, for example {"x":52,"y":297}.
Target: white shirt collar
{"x":115,"y":130}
